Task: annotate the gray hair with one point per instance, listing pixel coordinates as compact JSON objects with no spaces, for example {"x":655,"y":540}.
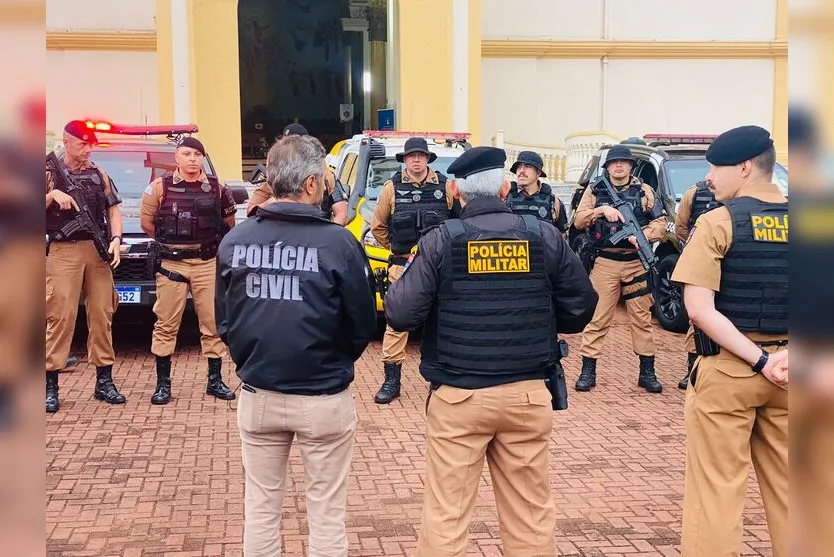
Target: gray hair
{"x":483,"y":184}
{"x":291,"y":161}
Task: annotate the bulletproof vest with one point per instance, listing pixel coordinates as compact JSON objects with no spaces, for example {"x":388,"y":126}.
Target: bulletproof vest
{"x":602,"y":229}
{"x":415,"y":209}
{"x":190,"y":212}
{"x":754,"y":272}
{"x":494,"y":306}
{"x":539,"y":205}
{"x":92,"y":184}
{"x":703,"y":201}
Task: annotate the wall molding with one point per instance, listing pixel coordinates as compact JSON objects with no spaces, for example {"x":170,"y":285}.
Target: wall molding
{"x":132,"y":41}
{"x":515,"y":48}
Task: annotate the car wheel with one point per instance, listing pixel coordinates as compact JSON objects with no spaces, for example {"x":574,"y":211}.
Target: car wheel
{"x":668,"y":298}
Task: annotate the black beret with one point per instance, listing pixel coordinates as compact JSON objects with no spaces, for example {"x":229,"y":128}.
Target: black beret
{"x":79,"y":130}
{"x":295,"y":129}
{"x":194,"y":143}
{"x":738,"y":145}
{"x":531,"y":158}
{"x":477,"y":159}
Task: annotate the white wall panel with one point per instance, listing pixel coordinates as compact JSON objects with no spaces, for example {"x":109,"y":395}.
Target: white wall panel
{"x":100,"y":15}
{"x":542,"y":19}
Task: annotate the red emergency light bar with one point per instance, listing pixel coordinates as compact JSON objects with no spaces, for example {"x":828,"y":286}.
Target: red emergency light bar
{"x":107,"y":127}
{"x":392,"y":134}
{"x":676,"y":139}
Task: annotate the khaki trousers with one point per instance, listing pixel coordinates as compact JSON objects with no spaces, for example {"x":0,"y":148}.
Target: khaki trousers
{"x":19,"y":324}
{"x":170,"y":304}
{"x":729,"y":421}
{"x":394,"y":342}
{"x":73,"y":268}
{"x":325,"y":427}
{"x":610,"y":279}
{"x":510,"y":426}
{"x":689,"y":343}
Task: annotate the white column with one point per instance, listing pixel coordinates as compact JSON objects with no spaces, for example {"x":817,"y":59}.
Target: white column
{"x":181,"y":62}
{"x":460,"y":65}
{"x":392,"y":71}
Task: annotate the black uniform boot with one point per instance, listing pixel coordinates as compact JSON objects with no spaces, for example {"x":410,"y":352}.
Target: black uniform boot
{"x":216,"y":387}
{"x":648,"y":380}
{"x":105,"y":389}
{"x":52,"y":403}
{"x":588,"y":377}
{"x":691,"y":362}
{"x":391,"y":386}
{"x":162,"y":394}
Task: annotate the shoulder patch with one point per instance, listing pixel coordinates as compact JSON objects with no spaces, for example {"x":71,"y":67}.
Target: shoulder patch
{"x":148,"y":190}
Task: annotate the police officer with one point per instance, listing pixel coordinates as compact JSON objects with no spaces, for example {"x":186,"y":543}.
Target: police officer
{"x":334,"y":204}
{"x":696,"y":201}
{"x":734,"y":273}
{"x":617,"y":272}
{"x":74,"y":266}
{"x":411,"y":201}
{"x":296,"y":306}
{"x":187,"y":213}
{"x":530,"y":196}
{"x":492,"y":289}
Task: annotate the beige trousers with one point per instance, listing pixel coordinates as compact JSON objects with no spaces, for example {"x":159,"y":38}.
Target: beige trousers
{"x":394,"y":342}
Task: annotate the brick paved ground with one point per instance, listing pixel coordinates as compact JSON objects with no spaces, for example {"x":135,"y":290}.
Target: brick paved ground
{"x":138,"y":479}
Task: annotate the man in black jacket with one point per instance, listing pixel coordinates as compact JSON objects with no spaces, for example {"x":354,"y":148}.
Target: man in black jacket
{"x":295,"y":305}
{"x":493,"y":290}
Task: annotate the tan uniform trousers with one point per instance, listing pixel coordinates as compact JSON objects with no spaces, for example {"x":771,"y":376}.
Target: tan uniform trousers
{"x":611,"y":280}
{"x":689,"y":343}
{"x":170,"y":304}
{"x":325,"y":427}
{"x":509,"y":425}
{"x":73,"y":268}
{"x":394,"y":342}
{"x":730,"y":420}
{"x":20,"y":293}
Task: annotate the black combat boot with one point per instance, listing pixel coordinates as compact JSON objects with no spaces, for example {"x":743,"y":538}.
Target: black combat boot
{"x":105,"y":389}
{"x":216,"y":387}
{"x":162,"y":394}
{"x":691,"y":362}
{"x":391,"y":386}
{"x":648,"y":380}
{"x":588,"y":377}
{"x":52,"y":403}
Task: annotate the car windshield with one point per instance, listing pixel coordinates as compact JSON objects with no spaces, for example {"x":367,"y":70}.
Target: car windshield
{"x":133,"y":170}
{"x":683,"y":173}
{"x":381,"y":170}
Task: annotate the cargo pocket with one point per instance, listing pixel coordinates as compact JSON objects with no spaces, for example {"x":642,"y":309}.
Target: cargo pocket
{"x":540,"y":397}
{"x":453,"y":395}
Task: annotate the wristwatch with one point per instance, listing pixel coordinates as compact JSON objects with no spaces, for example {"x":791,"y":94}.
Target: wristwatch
{"x":116,"y":236}
{"x":759,"y":365}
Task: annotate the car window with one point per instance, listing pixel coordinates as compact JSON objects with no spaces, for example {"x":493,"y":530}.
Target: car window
{"x":589,"y":171}
{"x":347,"y":170}
{"x":381,"y":170}
{"x":132,"y":171}
{"x":684,"y":173}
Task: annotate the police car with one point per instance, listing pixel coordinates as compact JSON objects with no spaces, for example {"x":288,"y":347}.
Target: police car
{"x":135,"y":156}
{"x":365,"y":162}
{"x":670,"y":164}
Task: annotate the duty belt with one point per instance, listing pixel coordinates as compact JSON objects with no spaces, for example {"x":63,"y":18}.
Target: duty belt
{"x":179,"y":254}
{"x":618,"y":255}
{"x":398,"y":259}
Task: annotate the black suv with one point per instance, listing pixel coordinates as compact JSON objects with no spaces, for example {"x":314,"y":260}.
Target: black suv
{"x":670,"y":164}
{"x":135,"y":156}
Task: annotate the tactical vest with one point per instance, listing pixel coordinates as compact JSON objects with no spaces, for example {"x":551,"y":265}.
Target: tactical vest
{"x":494,"y":307}
{"x":754,"y":272}
{"x":539,"y":205}
{"x":415,"y":209}
{"x":703,"y":201}
{"x":92,"y":183}
{"x":190,"y":212}
{"x":602,"y":229}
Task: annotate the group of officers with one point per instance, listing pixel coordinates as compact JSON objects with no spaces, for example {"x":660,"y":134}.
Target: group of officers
{"x":488,"y":330}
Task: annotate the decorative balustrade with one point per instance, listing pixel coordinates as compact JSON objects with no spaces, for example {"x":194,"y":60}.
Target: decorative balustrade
{"x":554,"y":159}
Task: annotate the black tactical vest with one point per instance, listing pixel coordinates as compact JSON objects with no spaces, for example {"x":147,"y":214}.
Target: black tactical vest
{"x":703,"y":201}
{"x":415,"y":209}
{"x":539,"y":205}
{"x":494,"y":307}
{"x":190,"y":212}
{"x":602,"y":229}
{"x":754,"y":272}
{"x":92,"y":183}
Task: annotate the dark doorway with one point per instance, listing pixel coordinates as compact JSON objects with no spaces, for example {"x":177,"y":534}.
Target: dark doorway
{"x":298,"y":64}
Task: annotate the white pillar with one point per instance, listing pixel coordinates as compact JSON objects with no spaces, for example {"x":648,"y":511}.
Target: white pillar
{"x":181,"y":62}
{"x":460,"y":65}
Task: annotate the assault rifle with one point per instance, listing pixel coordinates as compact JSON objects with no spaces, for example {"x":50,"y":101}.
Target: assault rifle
{"x":632,"y":227}
{"x":83,"y":220}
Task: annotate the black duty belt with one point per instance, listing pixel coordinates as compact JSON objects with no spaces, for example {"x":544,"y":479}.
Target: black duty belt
{"x":772,"y":343}
{"x":398,"y":259}
{"x":618,"y":255}
{"x":179,"y":254}
{"x":333,"y":391}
